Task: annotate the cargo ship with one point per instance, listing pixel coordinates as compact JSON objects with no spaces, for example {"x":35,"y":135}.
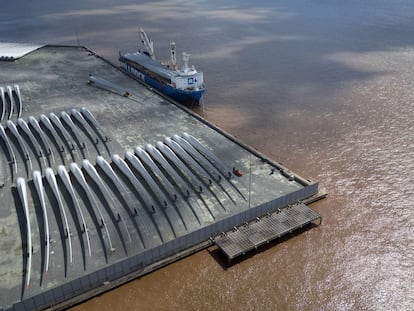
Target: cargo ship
{"x":185,"y":85}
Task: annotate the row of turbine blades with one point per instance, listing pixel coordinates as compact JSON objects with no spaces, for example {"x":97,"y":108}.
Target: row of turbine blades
{"x":10,"y":102}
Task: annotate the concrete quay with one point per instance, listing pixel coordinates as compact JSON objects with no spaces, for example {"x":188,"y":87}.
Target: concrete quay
{"x":99,"y":186}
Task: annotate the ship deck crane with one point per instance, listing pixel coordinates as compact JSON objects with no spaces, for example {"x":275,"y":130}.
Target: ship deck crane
{"x":149,"y":45}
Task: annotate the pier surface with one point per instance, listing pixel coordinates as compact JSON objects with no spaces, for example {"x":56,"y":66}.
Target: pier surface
{"x":262,"y":230}
{"x":97,"y":184}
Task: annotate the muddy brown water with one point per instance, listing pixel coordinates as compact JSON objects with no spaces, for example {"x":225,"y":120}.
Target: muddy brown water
{"x":326,"y":88}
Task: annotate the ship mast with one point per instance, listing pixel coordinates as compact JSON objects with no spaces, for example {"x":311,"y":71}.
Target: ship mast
{"x":149,"y":45}
{"x":173,"y":55}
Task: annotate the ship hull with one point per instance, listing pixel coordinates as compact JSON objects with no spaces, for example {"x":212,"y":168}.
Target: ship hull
{"x":185,"y":97}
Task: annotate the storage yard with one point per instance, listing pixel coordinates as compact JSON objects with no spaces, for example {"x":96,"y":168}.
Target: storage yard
{"x":107,"y":179}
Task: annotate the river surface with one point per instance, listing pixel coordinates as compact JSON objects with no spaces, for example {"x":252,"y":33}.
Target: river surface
{"x":324,"y":86}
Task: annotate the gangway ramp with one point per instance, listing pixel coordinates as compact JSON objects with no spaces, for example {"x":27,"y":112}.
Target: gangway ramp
{"x":242,"y":239}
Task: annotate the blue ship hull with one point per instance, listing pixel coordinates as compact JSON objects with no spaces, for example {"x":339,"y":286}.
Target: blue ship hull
{"x":185,"y":97}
